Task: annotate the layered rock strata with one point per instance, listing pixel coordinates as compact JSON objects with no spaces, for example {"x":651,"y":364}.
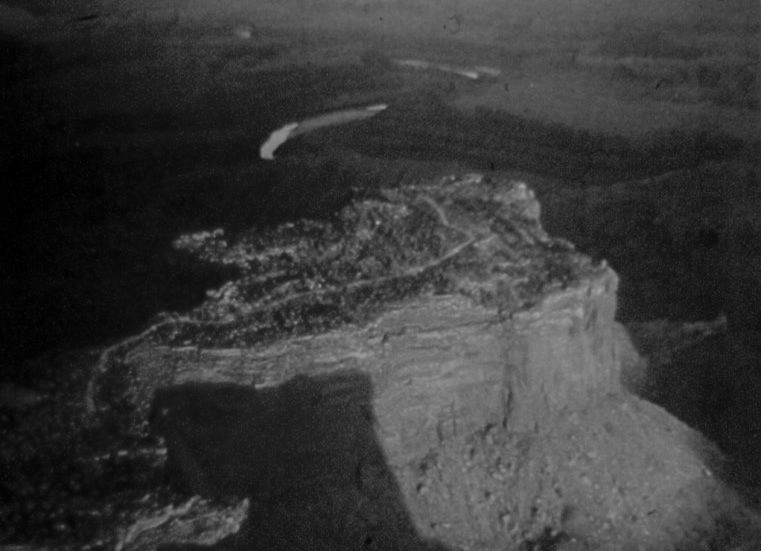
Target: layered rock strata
{"x":428,"y":366}
{"x":449,"y":297}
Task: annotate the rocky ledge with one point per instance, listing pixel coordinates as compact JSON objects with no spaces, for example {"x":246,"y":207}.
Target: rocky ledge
{"x":449,"y":297}
{"x":429,"y":369}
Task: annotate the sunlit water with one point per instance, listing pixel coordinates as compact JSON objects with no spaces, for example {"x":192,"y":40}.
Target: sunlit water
{"x":474,"y":74}
{"x":276,"y":139}
{"x":282,"y":134}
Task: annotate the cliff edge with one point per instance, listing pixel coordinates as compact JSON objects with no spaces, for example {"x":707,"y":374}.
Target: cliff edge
{"x":427,"y":370}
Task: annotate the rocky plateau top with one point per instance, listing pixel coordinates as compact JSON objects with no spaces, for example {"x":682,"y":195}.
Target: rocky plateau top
{"x":469,"y":235}
{"x":427,"y":369}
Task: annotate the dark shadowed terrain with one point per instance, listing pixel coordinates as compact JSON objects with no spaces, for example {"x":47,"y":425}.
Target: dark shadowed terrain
{"x":124,"y":126}
{"x":127,"y":124}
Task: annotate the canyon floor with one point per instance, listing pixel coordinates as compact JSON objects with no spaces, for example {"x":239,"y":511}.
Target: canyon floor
{"x":126,"y":126}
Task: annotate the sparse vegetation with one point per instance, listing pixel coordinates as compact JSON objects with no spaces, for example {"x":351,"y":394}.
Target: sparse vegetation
{"x":121,"y":138}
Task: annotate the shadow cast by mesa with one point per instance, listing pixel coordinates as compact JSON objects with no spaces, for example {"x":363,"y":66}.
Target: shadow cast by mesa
{"x":305,"y":453}
{"x":713,"y":385}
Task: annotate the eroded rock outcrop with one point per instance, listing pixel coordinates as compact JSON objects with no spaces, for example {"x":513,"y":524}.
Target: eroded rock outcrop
{"x":450,"y":297}
{"x":428,"y":367}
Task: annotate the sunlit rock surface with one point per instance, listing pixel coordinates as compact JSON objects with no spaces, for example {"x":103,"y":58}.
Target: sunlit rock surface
{"x":450,"y":297}
{"x":428,"y":369}
{"x":195,"y":522}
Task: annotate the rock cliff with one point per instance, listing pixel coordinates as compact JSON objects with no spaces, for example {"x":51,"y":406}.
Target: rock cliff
{"x":427,"y":369}
{"x":450,"y":297}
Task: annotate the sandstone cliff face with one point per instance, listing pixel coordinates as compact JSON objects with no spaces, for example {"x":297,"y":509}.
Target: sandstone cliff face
{"x":450,"y":297}
{"x":686,"y":247}
{"x":428,"y":369}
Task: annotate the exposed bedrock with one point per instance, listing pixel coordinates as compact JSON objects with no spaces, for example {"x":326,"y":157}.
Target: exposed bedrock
{"x":451,"y":297}
{"x":430,"y":368}
{"x":686,"y":246}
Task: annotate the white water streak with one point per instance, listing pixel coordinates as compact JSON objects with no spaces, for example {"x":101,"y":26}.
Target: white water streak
{"x":276,"y":139}
{"x":282,"y":134}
